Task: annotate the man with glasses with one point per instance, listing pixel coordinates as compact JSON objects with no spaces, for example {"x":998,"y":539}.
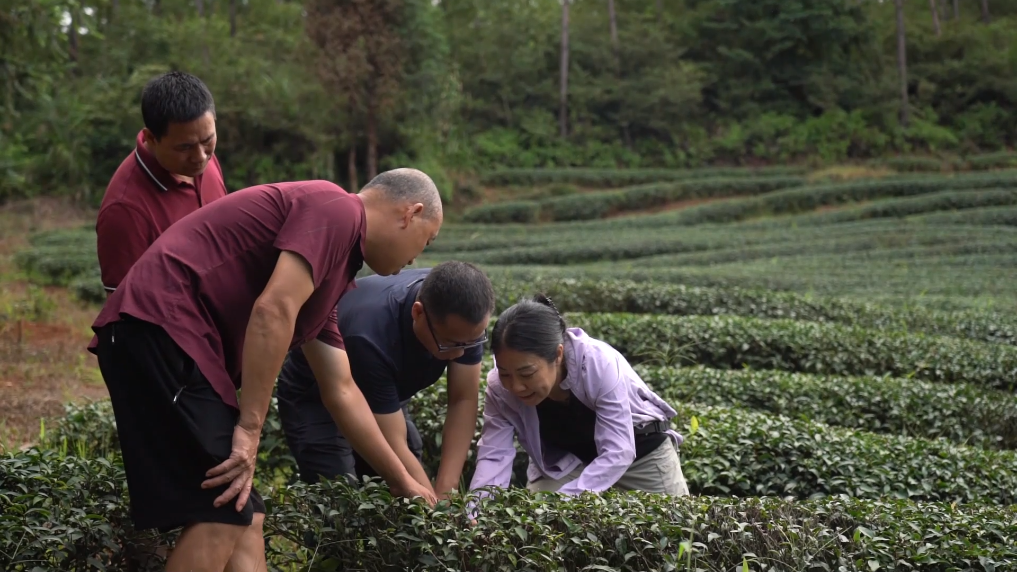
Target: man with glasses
{"x":401,"y":332}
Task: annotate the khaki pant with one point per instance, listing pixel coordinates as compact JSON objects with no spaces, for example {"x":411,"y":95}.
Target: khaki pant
{"x":658,"y":472}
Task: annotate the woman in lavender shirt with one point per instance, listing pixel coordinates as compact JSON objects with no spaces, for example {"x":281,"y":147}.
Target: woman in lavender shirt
{"x":586,"y":419}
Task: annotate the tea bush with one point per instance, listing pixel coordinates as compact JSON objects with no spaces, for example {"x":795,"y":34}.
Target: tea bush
{"x":607,"y":178}
{"x":962,"y":413}
{"x":730,"y":342}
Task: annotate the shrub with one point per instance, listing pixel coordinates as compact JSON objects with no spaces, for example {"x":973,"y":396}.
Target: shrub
{"x":729,"y":342}
{"x":962,"y":413}
{"x":613,"y":295}
{"x":510,"y":211}
{"x":748,"y":453}
{"x":74,"y":518}
{"x":608,"y":178}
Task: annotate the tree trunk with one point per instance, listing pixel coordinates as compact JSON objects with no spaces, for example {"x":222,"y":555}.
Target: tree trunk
{"x":200,"y":4}
{"x":372,"y":142}
{"x":902,"y":63}
{"x":956,"y":9}
{"x":563,"y":109}
{"x":935,"y":17}
{"x":660,"y":10}
{"x":985,"y":11}
{"x":351,"y":165}
{"x":614,"y":33}
{"x":233,"y":18}
{"x":72,"y":38}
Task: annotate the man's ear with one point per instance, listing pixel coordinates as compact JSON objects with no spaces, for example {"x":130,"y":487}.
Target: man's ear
{"x":147,"y":136}
{"x":417,"y":310}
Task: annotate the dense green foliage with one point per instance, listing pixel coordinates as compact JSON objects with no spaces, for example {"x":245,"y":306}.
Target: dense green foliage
{"x":960,"y":412}
{"x":76,"y":521}
{"x":474,"y":86}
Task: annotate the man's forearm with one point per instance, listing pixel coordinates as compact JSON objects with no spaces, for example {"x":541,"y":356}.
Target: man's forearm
{"x":411,"y":463}
{"x":457,"y":435}
{"x":265,"y":344}
{"x":351,"y":413}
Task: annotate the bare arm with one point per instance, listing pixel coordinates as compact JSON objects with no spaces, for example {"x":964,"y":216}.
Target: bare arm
{"x":393,"y":426}
{"x":268,"y":337}
{"x":460,"y":424}
{"x":349,"y":409}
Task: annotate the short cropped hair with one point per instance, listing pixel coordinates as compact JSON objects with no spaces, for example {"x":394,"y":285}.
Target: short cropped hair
{"x":408,"y":185}
{"x":458,"y":288}
{"x":174,"y":97}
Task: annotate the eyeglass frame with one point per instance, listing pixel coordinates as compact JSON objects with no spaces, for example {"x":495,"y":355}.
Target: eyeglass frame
{"x":457,"y":346}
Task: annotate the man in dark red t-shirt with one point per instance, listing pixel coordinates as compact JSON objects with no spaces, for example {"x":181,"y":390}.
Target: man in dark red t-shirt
{"x":171,"y":172}
{"x":213,"y":306}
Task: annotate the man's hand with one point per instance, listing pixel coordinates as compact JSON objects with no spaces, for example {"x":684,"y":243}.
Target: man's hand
{"x":346,"y":403}
{"x":239,"y":469}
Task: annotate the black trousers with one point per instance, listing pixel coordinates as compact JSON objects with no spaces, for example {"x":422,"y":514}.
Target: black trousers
{"x":317,"y":444}
{"x":172,"y":425}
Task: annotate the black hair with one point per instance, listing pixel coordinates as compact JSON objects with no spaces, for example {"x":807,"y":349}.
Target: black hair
{"x":174,"y":97}
{"x":458,"y":288}
{"x":532,"y":327}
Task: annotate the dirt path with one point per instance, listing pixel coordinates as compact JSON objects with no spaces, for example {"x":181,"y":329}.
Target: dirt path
{"x":43,"y":330}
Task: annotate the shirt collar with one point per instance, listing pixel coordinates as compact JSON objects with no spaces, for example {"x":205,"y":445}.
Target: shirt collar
{"x":363,"y":225}
{"x":158,"y":174}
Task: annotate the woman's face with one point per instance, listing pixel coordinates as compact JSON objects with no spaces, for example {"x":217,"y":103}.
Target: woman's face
{"x":529,"y":377}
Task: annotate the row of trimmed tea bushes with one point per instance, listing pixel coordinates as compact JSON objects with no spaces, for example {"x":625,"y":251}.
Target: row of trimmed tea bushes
{"x":810,"y":197}
{"x":959,"y":412}
{"x":629,"y":296}
{"x":734,"y":342}
{"x":988,"y":216}
{"x":740,"y":452}
{"x":938,"y":283}
{"x":954,"y":200}
{"x":608,"y":178}
{"x":877,"y":247}
{"x":70,"y":515}
{"x":586,"y":206}
{"x":574,"y":246}
{"x":58,"y":264}
{"x":737,"y":452}
{"x":906,"y":163}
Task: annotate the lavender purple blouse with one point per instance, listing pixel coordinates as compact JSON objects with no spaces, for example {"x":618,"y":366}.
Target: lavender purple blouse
{"x":602,"y":379}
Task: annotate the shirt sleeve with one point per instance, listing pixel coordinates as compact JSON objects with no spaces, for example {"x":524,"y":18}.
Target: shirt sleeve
{"x":374,"y":374}
{"x":471,"y":356}
{"x":613,"y":433}
{"x":122,"y":236}
{"x":321,"y":226}
{"x":330,"y":333}
{"x":496,"y":449}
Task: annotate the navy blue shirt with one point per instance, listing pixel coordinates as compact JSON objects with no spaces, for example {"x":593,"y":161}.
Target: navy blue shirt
{"x":388,"y":362}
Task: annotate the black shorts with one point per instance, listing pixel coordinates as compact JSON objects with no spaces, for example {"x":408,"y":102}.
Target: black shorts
{"x":173,"y":428}
{"x":316,"y":443}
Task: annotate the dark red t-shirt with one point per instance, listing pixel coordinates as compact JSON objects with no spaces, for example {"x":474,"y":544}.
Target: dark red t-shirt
{"x":141,"y":201}
{"x":199,"y":280}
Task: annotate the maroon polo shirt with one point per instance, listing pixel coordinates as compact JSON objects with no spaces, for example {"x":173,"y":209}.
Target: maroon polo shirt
{"x":142,"y":200}
{"x":199,"y":280}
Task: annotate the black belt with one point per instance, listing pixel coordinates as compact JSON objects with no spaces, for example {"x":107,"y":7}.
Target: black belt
{"x":653,"y":427}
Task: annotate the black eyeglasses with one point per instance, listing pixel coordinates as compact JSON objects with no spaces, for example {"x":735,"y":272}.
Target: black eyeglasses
{"x":442,"y":348}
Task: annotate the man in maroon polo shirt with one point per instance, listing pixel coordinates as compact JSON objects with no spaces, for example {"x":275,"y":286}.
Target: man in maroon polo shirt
{"x":213,"y":306}
{"x":171,"y":173}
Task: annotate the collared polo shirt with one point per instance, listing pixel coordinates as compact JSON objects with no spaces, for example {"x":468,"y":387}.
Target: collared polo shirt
{"x":387,"y":361}
{"x":141,"y":201}
{"x":199,"y":280}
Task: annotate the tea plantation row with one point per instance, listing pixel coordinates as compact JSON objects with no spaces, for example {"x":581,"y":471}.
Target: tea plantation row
{"x":74,"y":519}
{"x":757,"y":196}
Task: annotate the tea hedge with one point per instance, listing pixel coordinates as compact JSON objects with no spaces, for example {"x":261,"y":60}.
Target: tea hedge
{"x":586,"y":206}
{"x":607,"y":178}
{"x":366,"y":530}
{"x":810,"y":197}
{"x":729,"y":342}
{"x":953,"y":200}
{"x":629,"y":296}
{"x":737,"y":452}
{"x":743,"y":453}
{"x":961,"y":413}
{"x":74,"y":518}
